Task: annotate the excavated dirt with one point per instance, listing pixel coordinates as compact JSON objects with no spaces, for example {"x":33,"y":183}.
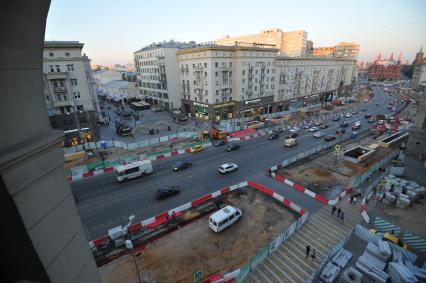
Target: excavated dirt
{"x":175,"y":257}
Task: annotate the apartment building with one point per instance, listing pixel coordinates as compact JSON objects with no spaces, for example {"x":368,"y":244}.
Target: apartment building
{"x":69,"y":91}
{"x":226,"y":82}
{"x":157,"y":74}
{"x":301,"y":82}
{"x":292,"y":43}
{"x":217,"y":82}
{"x":344,"y":50}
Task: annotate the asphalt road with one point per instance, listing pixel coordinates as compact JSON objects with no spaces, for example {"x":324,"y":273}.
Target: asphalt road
{"x":104,"y":203}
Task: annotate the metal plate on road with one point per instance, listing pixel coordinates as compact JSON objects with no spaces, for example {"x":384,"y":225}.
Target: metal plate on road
{"x":198,"y":275}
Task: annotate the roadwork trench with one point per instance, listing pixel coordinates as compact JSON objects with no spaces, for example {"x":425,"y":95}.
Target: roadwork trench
{"x":176,"y":256}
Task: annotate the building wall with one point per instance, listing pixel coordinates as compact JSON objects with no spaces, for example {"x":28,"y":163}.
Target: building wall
{"x":294,"y":43}
{"x":384,"y":72}
{"x":419,"y":76}
{"x":417,"y":140}
{"x":172,"y":70}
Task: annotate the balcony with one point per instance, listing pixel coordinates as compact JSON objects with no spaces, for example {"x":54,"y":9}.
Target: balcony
{"x":60,"y":103}
{"x":56,"y":75}
{"x":198,"y":68}
{"x":59,"y":89}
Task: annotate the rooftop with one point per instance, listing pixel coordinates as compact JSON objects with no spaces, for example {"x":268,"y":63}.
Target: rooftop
{"x":238,"y":46}
{"x":62,"y":44}
{"x":117,"y":84}
{"x":166,"y":44}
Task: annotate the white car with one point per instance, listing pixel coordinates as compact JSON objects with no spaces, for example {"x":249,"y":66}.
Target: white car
{"x":380,"y":122}
{"x":358,"y":123}
{"x":313,"y":129}
{"x":227,"y":168}
{"x":319,"y":134}
{"x":348,"y":115}
{"x":294,"y":130}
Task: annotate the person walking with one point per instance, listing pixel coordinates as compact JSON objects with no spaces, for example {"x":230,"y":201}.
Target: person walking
{"x":333,"y":210}
{"x":308,"y":251}
{"x":339,"y":210}
{"x":342,"y":217}
{"x":313,"y":255}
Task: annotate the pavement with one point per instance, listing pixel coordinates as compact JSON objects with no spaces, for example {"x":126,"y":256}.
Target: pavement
{"x":103,"y":203}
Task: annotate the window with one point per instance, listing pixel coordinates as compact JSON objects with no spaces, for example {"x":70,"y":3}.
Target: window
{"x":80,"y":108}
{"x":230,"y":64}
{"x":217,"y":82}
{"x":58,"y":69}
{"x":256,"y":72}
{"x":74,"y":82}
{"x":67,"y":54}
{"x":51,"y":68}
{"x":242,"y":90}
{"x":244,"y":72}
{"x":231,"y":217}
{"x":76,"y":95}
{"x":58,"y":97}
{"x":51,"y":54}
{"x":47,"y":98}
{"x":205,"y":74}
{"x":207,"y":101}
{"x":217,"y":92}
{"x":205,"y":65}
{"x":216,"y":64}
{"x":217,"y":100}
{"x":216,"y":74}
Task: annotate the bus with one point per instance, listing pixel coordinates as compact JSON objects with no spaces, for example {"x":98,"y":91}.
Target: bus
{"x":133,"y":170}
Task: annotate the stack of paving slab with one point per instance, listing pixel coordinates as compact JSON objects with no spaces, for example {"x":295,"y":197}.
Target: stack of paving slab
{"x":329,"y":272}
{"x":342,"y":258}
{"x":373,"y":262}
{"x":402,"y":192}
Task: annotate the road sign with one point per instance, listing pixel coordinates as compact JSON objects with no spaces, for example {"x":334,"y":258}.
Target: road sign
{"x":198,"y":275}
{"x":337,"y":147}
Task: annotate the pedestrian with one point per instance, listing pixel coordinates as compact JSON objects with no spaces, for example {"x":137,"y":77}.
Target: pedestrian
{"x":342,"y":216}
{"x":157,"y":130}
{"x":339,"y":210}
{"x":333,"y":210}
{"x":171,"y":147}
{"x":308,"y":251}
{"x":313,"y":255}
{"x":369,"y":179}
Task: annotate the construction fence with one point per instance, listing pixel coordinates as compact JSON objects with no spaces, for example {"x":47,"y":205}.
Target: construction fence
{"x":270,"y":247}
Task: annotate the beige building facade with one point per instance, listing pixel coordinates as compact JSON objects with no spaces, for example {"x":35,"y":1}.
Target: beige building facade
{"x":343,"y":50}
{"x":292,"y":43}
{"x":226,"y":82}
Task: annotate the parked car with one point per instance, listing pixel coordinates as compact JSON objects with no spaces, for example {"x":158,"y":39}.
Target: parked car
{"x":363,"y":109}
{"x":317,"y":123}
{"x":324,"y":126}
{"x":182,"y":165}
{"x":232,"y":147}
{"x":348,"y":115}
{"x":336,"y":118}
{"x":228,"y":168}
{"x":313,"y":129}
{"x":371,"y":120}
{"x":366,"y":116}
{"x":196,"y":148}
{"x":329,"y":138}
{"x":319,"y":134}
{"x":219,"y":143}
{"x":340,"y":131}
{"x":357,"y":123}
{"x":307,"y":126}
{"x":354,"y":112}
{"x":273,"y":136}
{"x":344,"y":124}
{"x":292,"y":135}
{"x":167,"y":192}
{"x":356,"y":127}
{"x":294,"y":130}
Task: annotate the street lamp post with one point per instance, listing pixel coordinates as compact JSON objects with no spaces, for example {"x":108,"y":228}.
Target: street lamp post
{"x":129,"y":245}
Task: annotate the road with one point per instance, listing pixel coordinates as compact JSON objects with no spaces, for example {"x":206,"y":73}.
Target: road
{"x":103,"y":203}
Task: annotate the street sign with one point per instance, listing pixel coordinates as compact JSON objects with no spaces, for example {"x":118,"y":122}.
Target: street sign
{"x":337,"y":147}
{"x":198,"y":275}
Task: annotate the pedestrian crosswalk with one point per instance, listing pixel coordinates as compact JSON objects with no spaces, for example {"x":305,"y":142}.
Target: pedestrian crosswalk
{"x":386,"y":227}
{"x":288,"y":263}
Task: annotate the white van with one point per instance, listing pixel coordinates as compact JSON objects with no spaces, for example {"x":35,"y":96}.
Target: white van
{"x":223,"y":218}
{"x":133,"y":170}
{"x":290,"y":142}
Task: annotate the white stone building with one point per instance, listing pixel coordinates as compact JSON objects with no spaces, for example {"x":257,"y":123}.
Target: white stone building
{"x":418,"y":81}
{"x":157,"y":73}
{"x":69,"y":90}
{"x":216,"y":81}
{"x":225,"y":82}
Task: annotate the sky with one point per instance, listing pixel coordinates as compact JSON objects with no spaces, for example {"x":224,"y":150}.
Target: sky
{"x":112,"y":30}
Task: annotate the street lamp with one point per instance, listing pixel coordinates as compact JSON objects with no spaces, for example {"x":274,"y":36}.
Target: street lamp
{"x":129,"y":244}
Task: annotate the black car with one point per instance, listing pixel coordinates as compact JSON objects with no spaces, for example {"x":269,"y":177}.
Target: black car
{"x":340,"y":131}
{"x":166,"y":193}
{"x":344,"y":124}
{"x":329,"y":138}
{"x":292,"y":135}
{"x":364,"y":109}
{"x":354,"y":112}
{"x":182,"y":165}
{"x":336,"y":118}
{"x":366,"y":116}
{"x":232,"y":147}
{"x":278,"y":130}
{"x":323,"y":126}
{"x":219,"y":143}
{"x":273,"y":136}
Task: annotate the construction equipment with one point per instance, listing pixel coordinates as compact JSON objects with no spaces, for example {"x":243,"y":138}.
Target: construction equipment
{"x":213,"y":134}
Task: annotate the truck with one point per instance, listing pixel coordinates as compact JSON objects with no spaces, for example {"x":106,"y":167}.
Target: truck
{"x":290,"y":142}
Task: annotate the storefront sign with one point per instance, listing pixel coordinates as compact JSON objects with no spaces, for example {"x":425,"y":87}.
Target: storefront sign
{"x":221,"y":105}
{"x":201,"y":104}
{"x":253,"y":101}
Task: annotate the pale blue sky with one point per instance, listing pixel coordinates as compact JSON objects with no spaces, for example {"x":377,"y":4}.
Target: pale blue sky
{"x":113,"y":29}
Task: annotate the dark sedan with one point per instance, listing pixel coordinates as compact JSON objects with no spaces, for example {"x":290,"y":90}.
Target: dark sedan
{"x":292,"y":135}
{"x":344,"y":124}
{"x":340,"y":131}
{"x":232,"y":147}
{"x":324,"y":126}
{"x":329,"y":138}
{"x":182,"y":165}
{"x":166,"y":193}
{"x":273,"y":136}
{"x":366,"y":116}
{"x":336,"y":118}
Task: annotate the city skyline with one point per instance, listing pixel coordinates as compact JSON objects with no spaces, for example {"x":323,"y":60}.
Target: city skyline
{"x":113,"y":31}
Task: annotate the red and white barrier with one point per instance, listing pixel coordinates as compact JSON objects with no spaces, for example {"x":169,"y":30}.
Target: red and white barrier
{"x":256,"y":135}
{"x":164,"y":217}
{"x":363,"y":210}
{"x":304,"y":190}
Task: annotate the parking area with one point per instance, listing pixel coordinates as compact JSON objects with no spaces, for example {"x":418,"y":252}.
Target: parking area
{"x":175,"y":257}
